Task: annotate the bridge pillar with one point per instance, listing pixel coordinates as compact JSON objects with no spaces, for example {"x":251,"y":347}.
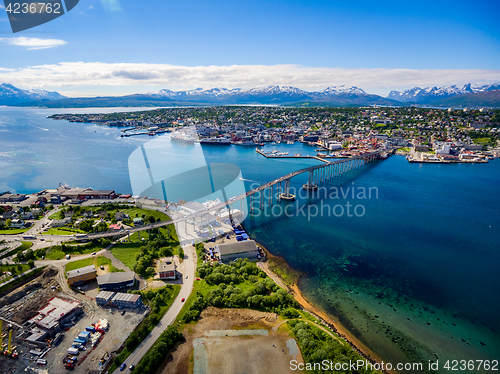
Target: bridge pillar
{"x":286,"y":195}
{"x":310,"y":183}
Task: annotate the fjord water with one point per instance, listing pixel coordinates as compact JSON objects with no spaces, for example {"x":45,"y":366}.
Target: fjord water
{"x":415,"y":278}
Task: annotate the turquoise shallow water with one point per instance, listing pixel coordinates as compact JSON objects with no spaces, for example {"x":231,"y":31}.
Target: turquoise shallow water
{"x":415,"y":278}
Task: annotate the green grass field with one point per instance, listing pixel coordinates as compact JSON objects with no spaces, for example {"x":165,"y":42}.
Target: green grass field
{"x":9,"y":267}
{"x":56,"y":253}
{"x":12,"y":231}
{"x":126,"y":253}
{"x":20,"y":279}
{"x":57,"y":232}
{"x":101,"y":261}
{"x":79,"y":264}
{"x":24,"y":246}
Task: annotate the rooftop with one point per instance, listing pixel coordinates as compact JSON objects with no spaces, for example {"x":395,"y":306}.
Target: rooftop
{"x":127,"y":276}
{"x":166,"y":264}
{"x":82,"y":271}
{"x":107,"y":295}
{"x":126,"y":297}
{"x":53,"y":312}
{"x":237,"y":247}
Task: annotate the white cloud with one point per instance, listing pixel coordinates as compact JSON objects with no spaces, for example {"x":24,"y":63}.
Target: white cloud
{"x":33,"y":43}
{"x":2,"y":7}
{"x":71,"y":75}
{"x":111,"y":5}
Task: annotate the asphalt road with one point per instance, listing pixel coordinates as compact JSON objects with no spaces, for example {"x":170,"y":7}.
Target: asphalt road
{"x":169,"y":317}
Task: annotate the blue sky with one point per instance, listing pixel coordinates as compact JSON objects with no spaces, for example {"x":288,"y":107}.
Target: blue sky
{"x":125,"y":46}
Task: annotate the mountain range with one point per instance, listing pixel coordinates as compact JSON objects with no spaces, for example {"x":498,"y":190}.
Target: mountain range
{"x":488,"y":95}
{"x":10,"y":95}
{"x":432,"y":94}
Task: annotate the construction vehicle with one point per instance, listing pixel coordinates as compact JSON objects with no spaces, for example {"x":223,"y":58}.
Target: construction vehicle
{"x":10,"y":351}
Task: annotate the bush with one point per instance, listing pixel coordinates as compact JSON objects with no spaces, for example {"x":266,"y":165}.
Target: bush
{"x":290,"y":313}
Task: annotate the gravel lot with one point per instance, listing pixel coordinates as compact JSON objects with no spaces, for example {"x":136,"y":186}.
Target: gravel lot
{"x":120,"y":328}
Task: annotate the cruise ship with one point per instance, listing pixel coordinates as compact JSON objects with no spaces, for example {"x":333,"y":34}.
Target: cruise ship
{"x":216,"y":141}
{"x":183,"y":137}
{"x":248,"y":143}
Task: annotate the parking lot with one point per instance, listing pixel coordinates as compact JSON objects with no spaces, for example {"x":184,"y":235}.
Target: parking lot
{"x":120,"y":327}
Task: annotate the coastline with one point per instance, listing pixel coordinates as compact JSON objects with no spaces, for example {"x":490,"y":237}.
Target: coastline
{"x":316,"y":311}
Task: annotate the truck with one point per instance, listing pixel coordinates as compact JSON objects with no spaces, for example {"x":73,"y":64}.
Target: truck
{"x":73,"y":351}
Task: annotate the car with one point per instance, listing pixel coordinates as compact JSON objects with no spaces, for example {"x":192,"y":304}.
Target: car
{"x":101,"y":267}
{"x":131,"y":367}
{"x":186,"y":277}
{"x":122,"y":367}
{"x":122,"y":313}
{"x":183,"y":299}
{"x":93,"y":253}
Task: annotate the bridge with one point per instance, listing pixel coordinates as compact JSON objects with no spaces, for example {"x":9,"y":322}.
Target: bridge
{"x":318,"y":174}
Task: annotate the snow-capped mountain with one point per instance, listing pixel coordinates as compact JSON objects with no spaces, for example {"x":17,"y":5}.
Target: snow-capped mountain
{"x":430,"y":94}
{"x":13,"y":95}
{"x":267,"y":95}
{"x":260,"y":94}
{"x":342,"y":90}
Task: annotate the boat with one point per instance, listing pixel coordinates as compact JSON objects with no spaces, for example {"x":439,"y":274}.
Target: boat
{"x":248,"y":144}
{"x":182,"y":137}
{"x":216,"y":141}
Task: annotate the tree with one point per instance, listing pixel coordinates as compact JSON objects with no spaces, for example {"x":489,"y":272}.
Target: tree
{"x":8,"y":222}
{"x":19,"y":267}
{"x":86,"y":225}
{"x":101,"y":226}
{"x":31,"y":264}
{"x":29,"y":255}
{"x":20,"y":256}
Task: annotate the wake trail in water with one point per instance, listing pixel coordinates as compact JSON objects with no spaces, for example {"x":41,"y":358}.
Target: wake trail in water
{"x":41,"y":128}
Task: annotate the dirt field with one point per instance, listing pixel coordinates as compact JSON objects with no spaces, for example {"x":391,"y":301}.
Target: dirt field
{"x":23,"y":303}
{"x":236,"y":350}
